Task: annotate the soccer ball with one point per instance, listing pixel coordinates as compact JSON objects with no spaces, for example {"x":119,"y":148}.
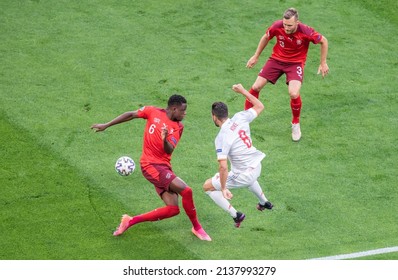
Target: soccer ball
{"x":125,"y":166}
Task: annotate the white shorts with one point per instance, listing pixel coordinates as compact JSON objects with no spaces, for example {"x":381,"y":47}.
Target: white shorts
{"x":238,"y":180}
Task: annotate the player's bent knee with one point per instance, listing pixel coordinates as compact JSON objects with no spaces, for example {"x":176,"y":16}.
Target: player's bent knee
{"x":294,"y":95}
{"x":173,"y":210}
{"x":208,"y":186}
{"x":257,"y":88}
{"x":259,"y":83}
{"x":187,"y":192}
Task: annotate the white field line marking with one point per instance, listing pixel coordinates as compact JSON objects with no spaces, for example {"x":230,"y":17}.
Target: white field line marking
{"x":360,"y":254}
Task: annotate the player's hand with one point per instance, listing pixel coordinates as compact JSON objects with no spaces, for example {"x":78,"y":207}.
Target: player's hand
{"x":99,"y":127}
{"x":237,"y":88}
{"x":164,"y":133}
{"x":323,"y":69}
{"x":252,"y":61}
{"x":227,"y":194}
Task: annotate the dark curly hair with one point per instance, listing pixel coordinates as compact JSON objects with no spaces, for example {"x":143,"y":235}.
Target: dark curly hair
{"x":176,"y":99}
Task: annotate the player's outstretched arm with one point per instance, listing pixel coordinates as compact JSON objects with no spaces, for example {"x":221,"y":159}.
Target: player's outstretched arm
{"x":258,"y":106}
{"x":127,"y":116}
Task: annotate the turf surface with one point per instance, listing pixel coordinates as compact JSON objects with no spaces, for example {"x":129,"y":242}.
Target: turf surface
{"x":68,"y":64}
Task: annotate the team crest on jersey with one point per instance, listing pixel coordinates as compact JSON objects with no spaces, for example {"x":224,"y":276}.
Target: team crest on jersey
{"x":156,"y":120}
{"x":299,"y":42}
{"x":281,"y":37}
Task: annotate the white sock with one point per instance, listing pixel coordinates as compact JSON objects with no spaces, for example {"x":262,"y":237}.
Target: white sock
{"x":256,"y":189}
{"x":221,"y":201}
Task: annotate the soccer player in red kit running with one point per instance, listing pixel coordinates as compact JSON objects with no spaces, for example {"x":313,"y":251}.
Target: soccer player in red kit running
{"x":162,"y":132}
{"x":288,"y":57}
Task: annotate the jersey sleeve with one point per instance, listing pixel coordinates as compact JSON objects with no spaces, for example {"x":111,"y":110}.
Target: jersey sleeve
{"x":176,"y":136}
{"x":271,"y":30}
{"x":312,"y":35}
{"x":248,"y":115}
{"x":316,"y":37}
{"x":144,"y":112}
{"x":222,"y":146}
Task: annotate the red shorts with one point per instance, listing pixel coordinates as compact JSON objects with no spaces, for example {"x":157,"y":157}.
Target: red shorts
{"x":274,"y":69}
{"x":160,"y":175}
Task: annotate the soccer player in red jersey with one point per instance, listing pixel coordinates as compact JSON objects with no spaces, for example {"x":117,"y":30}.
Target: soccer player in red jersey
{"x":288,"y":57}
{"x":162,"y":132}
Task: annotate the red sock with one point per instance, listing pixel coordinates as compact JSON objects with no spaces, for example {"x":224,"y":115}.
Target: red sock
{"x":248,"y":104}
{"x":189,"y":207}
{"x":295,"y":104}
{"x":156,"y":215}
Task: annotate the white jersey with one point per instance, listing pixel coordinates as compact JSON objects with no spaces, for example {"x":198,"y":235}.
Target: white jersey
{"x":233,"y":142}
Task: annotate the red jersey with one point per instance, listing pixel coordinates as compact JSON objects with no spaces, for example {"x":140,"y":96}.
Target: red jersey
{"x":152,"y":147}
{"x":292,"y":47}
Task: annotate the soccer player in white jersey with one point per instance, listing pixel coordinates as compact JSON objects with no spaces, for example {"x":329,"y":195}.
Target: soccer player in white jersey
{"x":234,"y":143}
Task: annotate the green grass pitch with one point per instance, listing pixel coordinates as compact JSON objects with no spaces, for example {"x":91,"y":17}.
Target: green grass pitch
{"x":65,"y":65}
